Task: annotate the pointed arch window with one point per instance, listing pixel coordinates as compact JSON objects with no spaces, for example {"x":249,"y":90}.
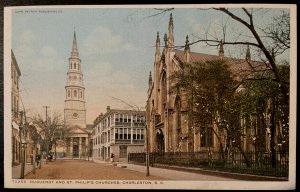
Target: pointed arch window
{"x":163,"y":91}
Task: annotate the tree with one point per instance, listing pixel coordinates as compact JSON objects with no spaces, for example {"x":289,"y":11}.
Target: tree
{"x":264,"y":97}
{"x":210,"y":90}
{"x":269,"y":40}
{"x":272,"y":40}
{"x":54,"y":131}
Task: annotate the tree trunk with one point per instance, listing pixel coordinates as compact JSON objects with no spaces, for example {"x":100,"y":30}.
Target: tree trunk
{"x":262,"y":126}
{"x":221,"y":146}
{"x":33,"y":158}
{"x":273,"y":132}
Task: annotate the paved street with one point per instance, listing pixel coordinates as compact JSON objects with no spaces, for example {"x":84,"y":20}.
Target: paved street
{"x":80,"y":169}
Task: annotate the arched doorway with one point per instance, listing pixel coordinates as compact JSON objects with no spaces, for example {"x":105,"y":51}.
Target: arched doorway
{"x":160,"y":140}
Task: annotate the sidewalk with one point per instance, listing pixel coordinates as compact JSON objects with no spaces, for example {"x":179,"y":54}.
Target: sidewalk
{"x":168,"y":173}
{"x":16,"y":170}
{"x":191,"y":173}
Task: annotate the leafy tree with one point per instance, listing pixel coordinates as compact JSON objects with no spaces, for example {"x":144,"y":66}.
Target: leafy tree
{"x":263,"y":92}
{"x":210,"y":90}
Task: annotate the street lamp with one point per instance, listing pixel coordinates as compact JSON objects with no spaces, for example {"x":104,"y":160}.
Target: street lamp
{"x":24,"y":144}
{"x":23,"y":147}
{"x":22,"y":130}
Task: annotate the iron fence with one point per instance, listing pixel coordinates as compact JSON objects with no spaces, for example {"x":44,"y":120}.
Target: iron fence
{"x":255,"y":163}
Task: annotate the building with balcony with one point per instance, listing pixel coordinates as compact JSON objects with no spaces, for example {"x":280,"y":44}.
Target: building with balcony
{"x":119,"y":132}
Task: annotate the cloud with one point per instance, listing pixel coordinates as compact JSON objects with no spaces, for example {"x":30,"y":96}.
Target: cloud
{"x":48,"y":51}
{"x":27,"y":37}
{"x":24,"y":42}
{"x":102,"y":82}
{"x":102,"y":40}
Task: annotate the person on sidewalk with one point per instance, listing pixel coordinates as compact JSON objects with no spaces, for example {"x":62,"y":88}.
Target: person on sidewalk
{"x":112,"y":157}
{"x":37,"y":159}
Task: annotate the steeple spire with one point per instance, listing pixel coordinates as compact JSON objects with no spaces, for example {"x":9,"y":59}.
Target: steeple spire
{"x":187,"y":46}
{"x":171,"y":34}
{"x":150,"y":80}
{"x":221,"y":51}
{"x":74,"y":52}
{"x":248,"y":55}
{"x":157,"y":53}
{"x":171,"y":21}
{"x":166,"y":40}
{"x":75,"y":112}
{"x":187,"y":50}
{"x":157,"y":38}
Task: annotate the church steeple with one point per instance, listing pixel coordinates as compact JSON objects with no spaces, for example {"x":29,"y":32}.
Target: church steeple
{"x":187,"y":50}
{"x":248,"y":55}
{"x":74,"y":52}
{"x":171,"y":30}
{"x":166,"y":40}
{"x":75,"y":113}
{"x":221,"y":51}
{"x":150,"y":80}
{"x":157,"y":53}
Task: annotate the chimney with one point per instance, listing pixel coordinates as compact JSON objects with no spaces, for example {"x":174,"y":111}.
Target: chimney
{"x":108,"y":108}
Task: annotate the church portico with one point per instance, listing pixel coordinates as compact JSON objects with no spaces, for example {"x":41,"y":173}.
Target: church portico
{"x":77,"y":147}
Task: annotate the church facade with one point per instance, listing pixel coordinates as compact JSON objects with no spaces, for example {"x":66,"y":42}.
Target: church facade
{"x":167,"y":113}
{"x":75,"y":111}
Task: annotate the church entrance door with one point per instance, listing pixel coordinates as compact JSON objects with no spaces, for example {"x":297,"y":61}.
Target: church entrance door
{"x":75,"y":147}
{"x":160,"y":140}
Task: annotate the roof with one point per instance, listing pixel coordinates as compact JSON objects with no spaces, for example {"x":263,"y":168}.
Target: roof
{"x":238,"y":67}
{"x":14,"y":62}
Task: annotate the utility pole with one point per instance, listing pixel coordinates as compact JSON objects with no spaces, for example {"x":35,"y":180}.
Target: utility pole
{"x":147,"y":151}
{"x":47,"y":144}
{"x":22,"y":137}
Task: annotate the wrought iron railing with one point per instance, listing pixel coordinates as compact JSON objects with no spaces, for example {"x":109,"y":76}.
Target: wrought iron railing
{"x":255,"y":163}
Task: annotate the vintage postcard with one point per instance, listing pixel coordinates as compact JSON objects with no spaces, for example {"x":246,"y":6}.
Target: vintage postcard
{"x":150,"y":97}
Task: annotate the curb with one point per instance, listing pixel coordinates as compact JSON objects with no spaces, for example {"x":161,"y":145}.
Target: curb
{"x":238,"y":176}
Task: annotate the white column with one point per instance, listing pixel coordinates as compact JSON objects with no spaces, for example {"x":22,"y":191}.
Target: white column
{"x":80,"y":147}
{"x":87,"y":146}
{"x":131,"y":131}
{"x":71,"y":147}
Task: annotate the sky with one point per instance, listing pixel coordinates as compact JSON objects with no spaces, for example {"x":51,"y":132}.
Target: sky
{"x":116,"y":47}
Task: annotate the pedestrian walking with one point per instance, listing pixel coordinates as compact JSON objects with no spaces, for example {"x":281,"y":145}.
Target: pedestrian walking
{"x":112,"y":157}
{"x":37,"y":159}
